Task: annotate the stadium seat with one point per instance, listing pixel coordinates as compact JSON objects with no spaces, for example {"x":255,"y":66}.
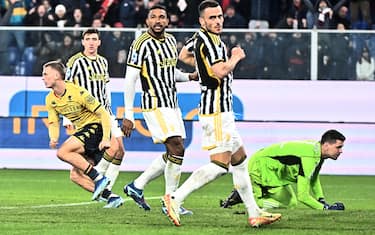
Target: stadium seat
{"x":13,"y":56}
{"x":29,"y":58}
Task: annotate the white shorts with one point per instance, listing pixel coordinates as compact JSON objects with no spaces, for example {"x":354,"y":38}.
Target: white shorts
{"x":219,"y":133}
{"x":115,"y":128}
{"x":164,"y":123}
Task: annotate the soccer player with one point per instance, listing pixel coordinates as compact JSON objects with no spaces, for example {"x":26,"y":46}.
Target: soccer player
{"x":153,"y":58}
{"x":92,"y":121}
{"x":274,"y":168}
{"x":220,"y":136}
{"x":88,"y":69}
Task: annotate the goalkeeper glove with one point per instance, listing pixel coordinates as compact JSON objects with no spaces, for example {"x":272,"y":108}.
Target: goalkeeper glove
{"x":233,"y":199}
{"x":337,"y":206}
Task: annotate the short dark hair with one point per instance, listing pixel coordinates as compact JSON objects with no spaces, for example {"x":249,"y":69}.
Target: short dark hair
{"x":91,"y":31}
{"x":207,"y":4}
{"x":158,"y":6}
{"x":331,"y":136}
{"x":56,"y":65}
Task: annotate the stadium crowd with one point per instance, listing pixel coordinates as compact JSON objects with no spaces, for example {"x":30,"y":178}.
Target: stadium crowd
{"x":341,"y":56}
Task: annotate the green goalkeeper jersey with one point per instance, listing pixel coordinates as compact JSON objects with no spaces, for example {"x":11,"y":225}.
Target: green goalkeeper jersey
{"x":295,"y":161}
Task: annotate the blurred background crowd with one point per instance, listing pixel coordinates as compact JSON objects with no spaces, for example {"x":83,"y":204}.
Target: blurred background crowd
{"x":270,"y":54}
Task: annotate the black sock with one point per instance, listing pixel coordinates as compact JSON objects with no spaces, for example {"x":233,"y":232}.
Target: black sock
{"x":91,"y":172}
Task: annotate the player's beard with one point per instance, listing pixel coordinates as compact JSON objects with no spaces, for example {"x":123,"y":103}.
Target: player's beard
{"x":157,"y":33}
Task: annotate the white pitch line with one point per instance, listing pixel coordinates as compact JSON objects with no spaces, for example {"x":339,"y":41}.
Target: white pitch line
{"x":65,"y":204}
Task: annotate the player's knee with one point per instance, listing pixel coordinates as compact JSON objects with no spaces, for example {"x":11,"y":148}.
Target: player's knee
{"x":175,"y":146}
{"x":120,"y":153}
{"x":61,"y":154}
{"x":224,"y":165}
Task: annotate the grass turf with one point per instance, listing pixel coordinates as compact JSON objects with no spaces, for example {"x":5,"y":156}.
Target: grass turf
{"x":46,"y":202}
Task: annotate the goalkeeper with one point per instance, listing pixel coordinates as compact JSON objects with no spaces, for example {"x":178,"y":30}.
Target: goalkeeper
{"x":274,"y":168}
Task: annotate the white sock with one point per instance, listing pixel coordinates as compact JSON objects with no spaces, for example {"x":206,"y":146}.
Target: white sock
{"x":102,"y":166}
{"x":172,"y":174}
{"x":154,"y":170}
{"x":112,"y":173}
{"x":197,"y":179}
{"x":241,"y":181}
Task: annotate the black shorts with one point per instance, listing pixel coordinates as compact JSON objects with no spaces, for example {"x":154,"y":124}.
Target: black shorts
{"x":91,"y":135}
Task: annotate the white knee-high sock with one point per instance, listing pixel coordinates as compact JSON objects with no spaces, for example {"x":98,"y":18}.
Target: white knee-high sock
{"x":197,"y":179}
{"x":154,"y":170}
{"x":172,"y":175}
{"x":112,"y":173}
{"x":241,"y":181}
{"x":102,"y":166}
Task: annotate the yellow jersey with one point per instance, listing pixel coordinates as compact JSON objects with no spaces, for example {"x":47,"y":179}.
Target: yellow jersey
{"x":76,"y":104}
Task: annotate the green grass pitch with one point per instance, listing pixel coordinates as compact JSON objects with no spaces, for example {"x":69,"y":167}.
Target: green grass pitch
{"x":46,"y":202}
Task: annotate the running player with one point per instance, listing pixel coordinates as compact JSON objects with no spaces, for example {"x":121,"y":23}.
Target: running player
{"x":90,"y":118}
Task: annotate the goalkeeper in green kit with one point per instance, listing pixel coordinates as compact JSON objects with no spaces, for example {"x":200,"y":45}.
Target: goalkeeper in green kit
{"x":274,"y":168}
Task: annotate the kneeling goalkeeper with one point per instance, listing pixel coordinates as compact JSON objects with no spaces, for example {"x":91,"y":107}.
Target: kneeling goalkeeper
{"x":274,"y":168}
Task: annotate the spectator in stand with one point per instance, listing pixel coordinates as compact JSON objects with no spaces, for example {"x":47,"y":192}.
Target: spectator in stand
{"x":174,"y":21}
{"x":341,"y":17}
{"x":295,"y":17}
{"x":360,"y":7}
{"x":242,"y":7}
{"x":190,"y":14}
{"x":250,"y":66}
{"x":97,"y":22}
{"x":365,"y":66}
{"x":340,"y":53}
{"x":274,"y":66}
{"x":45,"y":51}
{"x":59,"y":16}
{"x":297,"y":57}
{"x":117,"y":67}
{"x":260,"y":10}
{"x":37,"y":16}
{"x":67,"y":48}
{"x":71,"y":5}
{"x":322,"y":15}
{"x":232,"y":19}
{"x":111,"y":45}
{"x":132,"y":13}
{"x":77,"y":19}
{"x":17,"y":38}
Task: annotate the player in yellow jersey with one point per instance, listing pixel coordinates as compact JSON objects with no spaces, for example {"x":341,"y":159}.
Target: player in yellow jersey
{"x":92,"y":121}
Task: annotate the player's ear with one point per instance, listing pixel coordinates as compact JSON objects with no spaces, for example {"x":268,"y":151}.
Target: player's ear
{"x":201,"y":22}
{"x":147,"y":22}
